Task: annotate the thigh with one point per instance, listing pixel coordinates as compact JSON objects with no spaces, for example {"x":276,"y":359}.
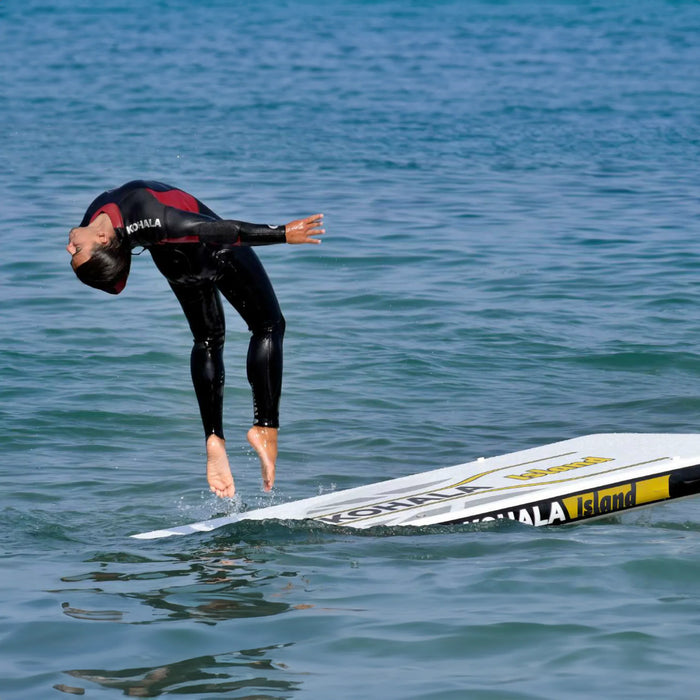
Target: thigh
{"x":245,"y":284}
{"x":202,"y":306}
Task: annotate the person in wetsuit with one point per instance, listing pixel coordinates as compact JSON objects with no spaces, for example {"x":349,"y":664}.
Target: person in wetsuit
{"x":203,"y":257}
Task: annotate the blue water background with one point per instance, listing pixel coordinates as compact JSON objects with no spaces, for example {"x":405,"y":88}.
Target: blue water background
{"x":511,"y":198}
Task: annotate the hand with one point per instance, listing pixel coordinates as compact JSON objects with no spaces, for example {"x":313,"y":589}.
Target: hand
{"x":303,"y":230}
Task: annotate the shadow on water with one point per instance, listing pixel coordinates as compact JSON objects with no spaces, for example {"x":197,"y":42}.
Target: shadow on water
{"x":250,"y":673}
{"x":213,"y":583}
{"x":246,"y":571}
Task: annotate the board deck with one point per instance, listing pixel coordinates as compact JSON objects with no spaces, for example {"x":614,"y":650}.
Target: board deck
{"x":573,"y":480}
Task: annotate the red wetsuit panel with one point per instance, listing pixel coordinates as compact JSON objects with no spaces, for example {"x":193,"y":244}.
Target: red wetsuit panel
{"x":177,"y":199}
{"x":112,"y":211}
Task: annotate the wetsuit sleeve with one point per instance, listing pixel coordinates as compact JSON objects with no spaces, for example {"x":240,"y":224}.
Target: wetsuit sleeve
{"x":189,"y":227}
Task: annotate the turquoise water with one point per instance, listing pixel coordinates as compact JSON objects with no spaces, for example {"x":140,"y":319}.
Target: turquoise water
{"x":511,"y":197}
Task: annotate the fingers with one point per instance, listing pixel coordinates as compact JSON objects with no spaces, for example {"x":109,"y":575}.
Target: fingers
{"x":313,"y":232}
{"x":312,"y":224}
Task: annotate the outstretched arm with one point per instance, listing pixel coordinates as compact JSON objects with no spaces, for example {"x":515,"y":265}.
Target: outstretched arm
{"x":185,"y":227}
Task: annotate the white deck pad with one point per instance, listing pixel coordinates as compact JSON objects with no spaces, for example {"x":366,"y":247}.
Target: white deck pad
{"x":579,"y":479}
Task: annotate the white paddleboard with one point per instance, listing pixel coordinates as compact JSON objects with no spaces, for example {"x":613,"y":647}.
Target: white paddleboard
{"x":579,"y":479}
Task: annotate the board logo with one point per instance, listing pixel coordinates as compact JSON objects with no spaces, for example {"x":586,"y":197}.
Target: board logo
{"x":370,"y":511}
{"x":537,"y":473}
{"x":616,"y":498}
{"x":590,"y":504}
{"x":542,"y":514}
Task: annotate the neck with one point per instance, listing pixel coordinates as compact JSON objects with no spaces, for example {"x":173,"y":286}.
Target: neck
{"x":102,"y":226}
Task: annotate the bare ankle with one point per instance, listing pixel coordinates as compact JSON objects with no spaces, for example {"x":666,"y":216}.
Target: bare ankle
{"x":215,"y":445}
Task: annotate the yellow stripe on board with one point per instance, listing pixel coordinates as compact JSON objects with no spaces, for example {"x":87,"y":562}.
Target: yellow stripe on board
{"x":610,"y":500}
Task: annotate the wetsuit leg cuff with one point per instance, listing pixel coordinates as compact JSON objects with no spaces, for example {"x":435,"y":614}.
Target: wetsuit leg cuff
{"x":267,"y":424}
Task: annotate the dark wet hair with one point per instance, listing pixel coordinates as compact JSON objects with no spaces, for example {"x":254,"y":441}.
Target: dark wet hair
{"x":108,"y":267}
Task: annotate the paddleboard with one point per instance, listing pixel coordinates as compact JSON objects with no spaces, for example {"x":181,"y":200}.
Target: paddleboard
{"x":579,"y":479}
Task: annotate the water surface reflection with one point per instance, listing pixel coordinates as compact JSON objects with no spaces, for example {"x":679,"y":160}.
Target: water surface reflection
{"x":208,"y":585}
{"x":250,"y":673}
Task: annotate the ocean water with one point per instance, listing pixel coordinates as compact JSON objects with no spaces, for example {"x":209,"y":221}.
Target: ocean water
{"x":511,"y":197}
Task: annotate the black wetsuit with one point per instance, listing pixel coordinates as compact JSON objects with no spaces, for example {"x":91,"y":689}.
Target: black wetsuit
{"x":201,"y":255}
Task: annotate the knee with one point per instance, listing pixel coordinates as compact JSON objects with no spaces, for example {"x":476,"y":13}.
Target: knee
{"x":273,"y":328}
{"x":209,"y":341}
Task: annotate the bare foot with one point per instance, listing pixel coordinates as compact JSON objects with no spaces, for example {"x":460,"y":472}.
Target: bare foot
{"x":264,"y":442}
{"x":218,"y":469}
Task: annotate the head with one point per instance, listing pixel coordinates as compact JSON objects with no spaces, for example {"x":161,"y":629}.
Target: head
{"x":99,"y":258}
